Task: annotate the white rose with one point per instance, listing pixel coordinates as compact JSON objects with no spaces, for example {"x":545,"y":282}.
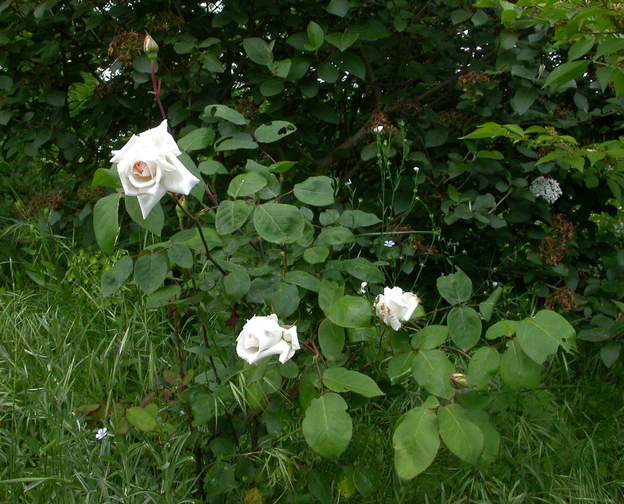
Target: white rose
{"x":395,"y":306}
{"x":148,"y":167}
{"x":263,"y":336}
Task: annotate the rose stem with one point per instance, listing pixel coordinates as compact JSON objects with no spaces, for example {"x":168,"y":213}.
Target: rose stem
{"x":156,"y":91}
{"x":201,"y":233}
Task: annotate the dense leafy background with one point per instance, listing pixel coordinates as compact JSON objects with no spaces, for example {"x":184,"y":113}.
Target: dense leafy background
{"x":322,"y":130}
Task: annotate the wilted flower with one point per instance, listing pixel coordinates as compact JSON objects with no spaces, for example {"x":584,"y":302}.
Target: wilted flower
{"x":395,"y":306}
{"x":148,"y":167}
{"x":363,"y":286}
{"x":546,"y":188}
{"x":262,"y":337}
{"x":101,"y":433}
{"x":389,"y":243}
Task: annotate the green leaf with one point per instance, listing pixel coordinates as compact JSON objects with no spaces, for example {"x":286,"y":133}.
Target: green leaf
{"x":609,"y":46}
{"x":363,"y":269}
{"x":338,"y":7}
{"x":226,"y":113}
{"x":163,"y":296}
{"x":540,"y":336}
{"x":580,"y":48}
{"x":500,"y":329}
{"x":610,"y":353}
{"x":517,"y":370}
{"x":79,"y":93}
{"x":285,"y":299}
{"x":271,"y":87}
{"x":235,"y":141}
{"x":246,"y":184}
{"x":353,"y":64}
{"x":487,"y":307}
{"x":429,"y":337}
{"x":436,"y":137}
{"x":274,"y":131}
{"x":331,"y":339}
{"x":281,"y":68}
{"x":491,"y":437}
{"x":180,"y":255}
{"x":315,"y":191}
{"x":342,"y":41}
{"x":523,"y":99}
{"x":106,"y":222}
{"x":400,"y":366}
{"x":340,"y":379}
{"x":258,"y":51}
{"x":335,"y":236}
{"x":303,"y":279}
{"x":315,"y":255}
{"x":349,"y":311}
{"x":231,"y":215}
{"x":115,"y":277}
{"x":455,"y":288}
{"x":329,"y":292}
{"x":460,"y":435}
{"x":106,"y":177}
{"x":432,"y":370}
{"x":415,"y":442}
{"x":278,"y":223}
{"x":327,"y":427}
{"x":328,"y":72}
{"x":464,"y":326}
{"x":565,"y":73}
{"x":237,"y":284}
{"x":197,"y":139}
{"x":204,"y":408}
{"x":315,"y":37}
{"x":483,"y":366}
{"x":150,"y":271}
{"x":141,"y":419}
{"x":155,"y":220}
{"x":357,"y":218}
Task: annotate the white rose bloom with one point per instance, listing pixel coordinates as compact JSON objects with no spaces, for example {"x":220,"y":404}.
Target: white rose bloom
{"x":148,"y":167}
{"x":395,"y":306}
{"x":262,"y":337}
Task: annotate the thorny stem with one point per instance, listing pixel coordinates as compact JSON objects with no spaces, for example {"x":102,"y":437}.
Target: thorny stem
{"x":156,"y":91}
{"x":201,"y":233}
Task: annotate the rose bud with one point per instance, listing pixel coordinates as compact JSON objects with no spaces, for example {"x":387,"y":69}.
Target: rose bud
{"x":150,"y":47}
{"x":459,"y":381}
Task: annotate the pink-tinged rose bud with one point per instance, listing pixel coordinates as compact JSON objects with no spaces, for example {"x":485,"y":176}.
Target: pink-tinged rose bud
{"x":459,"y":381}
{"x":150,"y":47}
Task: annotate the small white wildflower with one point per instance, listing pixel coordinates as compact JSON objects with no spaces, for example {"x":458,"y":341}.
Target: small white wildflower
{"x":416,"y":169}
{"x":389,"y":243}
{"x":363,"y":287}
{"x":101,"y":433}
{"x":494,"y":284}
{"x":378,"y":129}
{"x":546,"y":188}
{"x":348,"y":182}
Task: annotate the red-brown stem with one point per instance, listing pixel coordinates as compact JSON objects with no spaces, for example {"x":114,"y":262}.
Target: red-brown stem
{"x":156,"y":92}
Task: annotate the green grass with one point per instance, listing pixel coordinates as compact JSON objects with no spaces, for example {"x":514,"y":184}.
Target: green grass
{"x":63,"y":349}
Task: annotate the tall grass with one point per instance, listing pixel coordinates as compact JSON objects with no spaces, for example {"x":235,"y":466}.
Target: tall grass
{"x":63,"y":348}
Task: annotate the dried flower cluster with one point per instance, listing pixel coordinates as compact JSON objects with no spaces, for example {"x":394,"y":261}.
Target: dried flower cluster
{"x":473,"y":79}
{"x":125,"y":45}
{"x":564,"y":298}
{"x":552,"y":250}
{"x":47,"y":201}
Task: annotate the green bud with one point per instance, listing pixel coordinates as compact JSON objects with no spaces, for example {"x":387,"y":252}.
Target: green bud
{"x":459,"y":381}
{"x":150,"y":47}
